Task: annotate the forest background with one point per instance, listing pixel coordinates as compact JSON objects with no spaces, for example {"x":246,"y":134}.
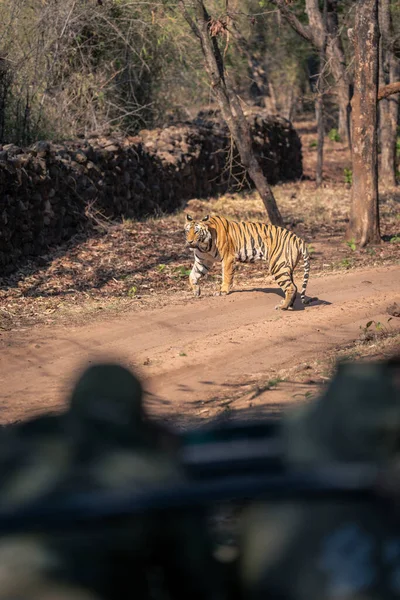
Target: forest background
{"x":74,"y":67}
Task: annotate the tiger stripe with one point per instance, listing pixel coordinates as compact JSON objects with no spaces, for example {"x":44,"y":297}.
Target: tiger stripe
{"x":216,"y":238}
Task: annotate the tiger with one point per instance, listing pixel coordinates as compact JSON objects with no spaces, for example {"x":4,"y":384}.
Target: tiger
{"x":216,"y":239}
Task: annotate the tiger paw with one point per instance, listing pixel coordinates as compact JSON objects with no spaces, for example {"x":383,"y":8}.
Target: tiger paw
{"x":196,"y":291}
{"x":280,"y":307}
{"x":221,"y":293}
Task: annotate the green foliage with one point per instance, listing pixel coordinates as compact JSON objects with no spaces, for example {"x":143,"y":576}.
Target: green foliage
{"x":310,"y":249}
{"x":334,"y":136}
{"x":269,"y":385}
{"x":348,"y":176}
{"x":132,"y":291}
{"x":182,"y":271}
{"x":371,"y":330}
{"x":352,"y":244}
{"x":347,"y":263}
{"x":398,"y":147}
{"x":395,"y":239}
{"x":313,"y":144}
{"x":272,"y":383}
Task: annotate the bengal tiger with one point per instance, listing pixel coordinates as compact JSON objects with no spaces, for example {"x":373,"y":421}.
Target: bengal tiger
{"x":216,"y":238}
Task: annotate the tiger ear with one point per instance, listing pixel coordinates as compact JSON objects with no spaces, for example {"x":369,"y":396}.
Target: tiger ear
{"x":189,"y":218}
{"x":206,"y":218}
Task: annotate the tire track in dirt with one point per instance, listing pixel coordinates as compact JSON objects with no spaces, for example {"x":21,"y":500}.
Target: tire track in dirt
{"x":193,"y":351}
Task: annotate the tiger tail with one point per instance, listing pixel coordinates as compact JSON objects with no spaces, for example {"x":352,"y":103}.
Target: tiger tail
{"x":306,"y":266}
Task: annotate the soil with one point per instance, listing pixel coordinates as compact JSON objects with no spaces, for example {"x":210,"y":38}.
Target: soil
{"x":205,"y":356}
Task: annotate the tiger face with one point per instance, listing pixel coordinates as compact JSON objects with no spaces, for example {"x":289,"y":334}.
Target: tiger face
{"x":197,"y":233}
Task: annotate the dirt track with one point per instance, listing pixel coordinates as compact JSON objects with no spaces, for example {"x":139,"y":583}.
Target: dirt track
{"x":193,"y":352}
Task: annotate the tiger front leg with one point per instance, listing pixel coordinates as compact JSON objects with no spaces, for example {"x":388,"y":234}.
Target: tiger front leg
{"x":228,"y":268}
{"x":198,"y":271}
{"x":193,"y":280}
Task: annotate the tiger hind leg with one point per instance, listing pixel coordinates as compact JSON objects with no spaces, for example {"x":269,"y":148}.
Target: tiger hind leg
{"x":285,"y":281}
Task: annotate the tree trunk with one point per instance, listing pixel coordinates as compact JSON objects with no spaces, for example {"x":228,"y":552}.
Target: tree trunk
{"x":230,"y":107}
{"x":319,"y":103}
{"x":240,"y":130}
{"x":388,"y":108}
{"x":344,"y":104}
{"x":270,"y":101}
{"x":319,"y":109}
{"x":364,"y":214}
{"x":260,"y":88}
{"x":326,"y":33}
{"x":339,"y":71}
{"x":316,"y":33}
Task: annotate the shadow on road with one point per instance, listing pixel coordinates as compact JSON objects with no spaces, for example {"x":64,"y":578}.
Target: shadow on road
{"x":298,"y":305}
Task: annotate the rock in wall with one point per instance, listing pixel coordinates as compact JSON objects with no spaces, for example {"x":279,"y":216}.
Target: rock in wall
{"x":48,"y":189}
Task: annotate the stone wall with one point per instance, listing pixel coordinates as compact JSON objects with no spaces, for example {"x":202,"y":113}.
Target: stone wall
{"x":47,"y":190}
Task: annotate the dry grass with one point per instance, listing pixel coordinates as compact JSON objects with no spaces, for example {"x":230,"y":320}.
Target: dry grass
{"x":145,"y":264}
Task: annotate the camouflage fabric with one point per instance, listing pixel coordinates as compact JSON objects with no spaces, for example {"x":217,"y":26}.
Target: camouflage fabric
{"x":320,"y":550}
{"x":325,"y":549}
{"x":103,"y":442}
{"x":292,"y":548}
{"x":357,"y":419}
{"x":28,"y":570}
{"x":35,"y":458}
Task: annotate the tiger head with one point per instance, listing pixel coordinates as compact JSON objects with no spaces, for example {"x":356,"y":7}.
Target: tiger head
{"x":198,"y":234}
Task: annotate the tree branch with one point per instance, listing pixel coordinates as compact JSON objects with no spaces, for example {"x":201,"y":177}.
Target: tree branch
{"x":189,"y":19}
{"x":294,"y":22}
{"x":387,"y":90}
{"x":230,"y":106}
{"x":317,"y":25}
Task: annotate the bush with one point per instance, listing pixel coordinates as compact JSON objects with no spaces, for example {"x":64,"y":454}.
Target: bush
{"x":334,"y":136}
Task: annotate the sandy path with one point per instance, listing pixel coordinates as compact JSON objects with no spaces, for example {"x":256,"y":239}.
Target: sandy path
{"x":196,"y":350}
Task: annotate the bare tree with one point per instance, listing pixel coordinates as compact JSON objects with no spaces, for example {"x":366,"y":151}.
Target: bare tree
{"x":319,"y":33}
{"x":364,"y":215}
{"x":337,"y":58}
{"x":261,"y":88}
{"x":207,"y":30}
{"x":319,"y":110}
{"x":389,"y":107}
{"x":319,"y":105}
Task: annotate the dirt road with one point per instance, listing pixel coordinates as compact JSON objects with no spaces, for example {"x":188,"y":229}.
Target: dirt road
{"x":191,"y":353}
